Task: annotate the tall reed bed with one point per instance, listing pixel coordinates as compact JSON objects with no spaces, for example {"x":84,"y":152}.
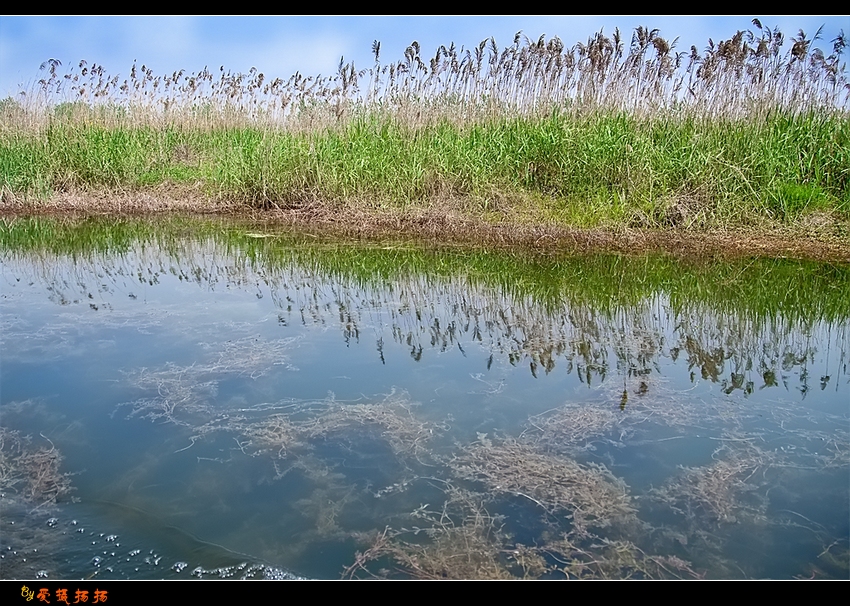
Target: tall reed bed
{"x":598,"y":132}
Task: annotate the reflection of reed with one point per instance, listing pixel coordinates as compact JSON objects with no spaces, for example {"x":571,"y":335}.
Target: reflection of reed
{"x":598,"y":315}
{"x":376,"y":457}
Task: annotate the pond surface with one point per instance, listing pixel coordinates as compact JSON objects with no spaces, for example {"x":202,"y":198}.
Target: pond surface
{"x":186,"y":399}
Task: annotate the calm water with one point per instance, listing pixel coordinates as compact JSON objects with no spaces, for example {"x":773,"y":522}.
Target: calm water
{"x":183,"y":400}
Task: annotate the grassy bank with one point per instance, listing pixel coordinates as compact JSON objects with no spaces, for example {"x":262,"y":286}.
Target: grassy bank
{"x":748,"y":134}
{"x":586,"y":171}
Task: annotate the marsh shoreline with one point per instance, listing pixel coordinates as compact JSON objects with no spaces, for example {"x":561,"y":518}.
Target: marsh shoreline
{"x":816,"y":237}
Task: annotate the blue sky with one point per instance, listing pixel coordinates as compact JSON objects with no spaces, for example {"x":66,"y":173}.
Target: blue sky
{"x":278,"y":46}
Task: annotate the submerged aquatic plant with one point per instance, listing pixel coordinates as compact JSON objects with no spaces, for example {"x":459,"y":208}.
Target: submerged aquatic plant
{"x":31,"y":473}
{"x":32,"y":486}
{"x":589,"y":494}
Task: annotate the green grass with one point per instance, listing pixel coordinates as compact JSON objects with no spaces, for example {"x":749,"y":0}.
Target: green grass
{"x":582,"y":170}
{"x":750,"y":132}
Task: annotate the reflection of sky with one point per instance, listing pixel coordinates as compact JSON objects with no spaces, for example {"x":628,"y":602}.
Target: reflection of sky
{"x":213,"y":337}
{"x":280,"y":46}
{"x":62,"y":308}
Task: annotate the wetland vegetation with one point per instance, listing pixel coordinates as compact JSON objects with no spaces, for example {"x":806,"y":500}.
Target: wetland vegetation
{"x":309,"y":406}
{"x":751,"y":134}
{"x":532,"y":311}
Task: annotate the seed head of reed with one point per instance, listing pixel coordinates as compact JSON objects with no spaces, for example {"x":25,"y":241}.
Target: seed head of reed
{"x":736,"y":78}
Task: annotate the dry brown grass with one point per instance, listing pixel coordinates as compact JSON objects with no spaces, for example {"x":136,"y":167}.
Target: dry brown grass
{"x":168,"y":198}
{"x":463,"y":540}
{"x":393,"y":418}
{"x":614,"y":560}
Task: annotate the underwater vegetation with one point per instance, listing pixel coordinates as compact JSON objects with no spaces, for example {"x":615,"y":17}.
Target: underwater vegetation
{"x":285,"y":406}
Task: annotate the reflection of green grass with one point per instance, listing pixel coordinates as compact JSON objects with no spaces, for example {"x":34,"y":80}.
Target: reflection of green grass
{"x":567,"y":509}
{"x":760,"y":288}
{"x":729,"y":315}
{"x":85,"y":237}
